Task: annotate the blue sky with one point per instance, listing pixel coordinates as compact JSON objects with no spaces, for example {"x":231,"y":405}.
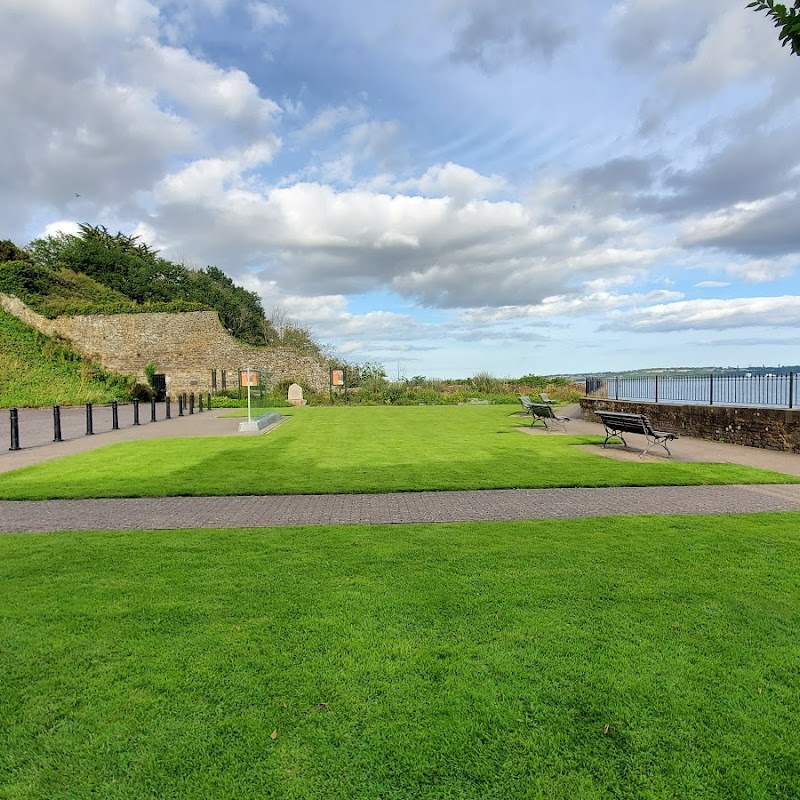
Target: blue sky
{"x":445,"y":187}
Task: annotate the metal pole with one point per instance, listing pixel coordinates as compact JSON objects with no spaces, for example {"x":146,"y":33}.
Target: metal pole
{"x":711,"y":390}
{"x":791,"y":389}
{"x":89,"y":421}
{"x":180,"y":405}
{"x":14,"y":419}
{"x":114,"y":415}
{"x":152,"y":409}
{"x":135,"y":410}
{"x":57,"y":424}
{"x":191,"y":402}
{"x":656,"y":388}
{"x":167,"y":409}
{"x":200,"y":402}
{"x":208,"y":402}
{"x":248,"y":395}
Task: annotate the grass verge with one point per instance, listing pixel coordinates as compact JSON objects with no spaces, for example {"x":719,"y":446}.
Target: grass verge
{"x":354,"y":450}
{"x":624,"y":657}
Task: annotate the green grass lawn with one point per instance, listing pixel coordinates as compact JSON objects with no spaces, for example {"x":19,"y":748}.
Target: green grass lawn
{"x":362,"y":449}
{"x":619,"y":657}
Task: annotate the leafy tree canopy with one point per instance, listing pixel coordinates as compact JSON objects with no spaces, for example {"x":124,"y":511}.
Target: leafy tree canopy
{"x":786,"y":18}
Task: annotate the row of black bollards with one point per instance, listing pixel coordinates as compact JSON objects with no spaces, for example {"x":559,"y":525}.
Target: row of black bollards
{"x":89,"y":412}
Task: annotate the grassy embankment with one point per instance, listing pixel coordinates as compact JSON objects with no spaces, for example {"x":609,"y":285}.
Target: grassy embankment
{"x":37,"y":371}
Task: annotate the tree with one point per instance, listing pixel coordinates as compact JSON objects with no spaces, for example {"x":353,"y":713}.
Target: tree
{"x":10,"y":252}
{"x":787,"y":19}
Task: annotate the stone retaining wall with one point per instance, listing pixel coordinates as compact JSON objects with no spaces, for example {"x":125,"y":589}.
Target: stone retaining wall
{"x":768,"y":428}
{"x":185,"y":347}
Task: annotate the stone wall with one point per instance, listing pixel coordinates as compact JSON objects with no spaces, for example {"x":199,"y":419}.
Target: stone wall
{"x":768,"y":428}
{"x":185,"y":347}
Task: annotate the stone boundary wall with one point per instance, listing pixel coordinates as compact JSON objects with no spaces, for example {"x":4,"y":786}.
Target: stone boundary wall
{"x":185,"y":347}
{"x":768,"y":428}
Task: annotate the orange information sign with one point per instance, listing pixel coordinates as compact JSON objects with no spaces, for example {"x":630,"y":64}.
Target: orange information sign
{"x":253,"y":374}
{"x":337,"y":377}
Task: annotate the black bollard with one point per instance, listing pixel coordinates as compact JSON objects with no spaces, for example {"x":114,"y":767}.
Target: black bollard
{"x":152,"y":409}
{"x":200,"y":402}
{"x":208,"y":401}
{"x":135,"y":411}
{"x":14,"y":429}
{"x":89,"y":420}
{"x":185,"y":401}
{"x":180,"y":405}
{"x":114,"y":415}
{"x":191,"y":402}
{"x":57,"y":424}
{"x":167,"y":409}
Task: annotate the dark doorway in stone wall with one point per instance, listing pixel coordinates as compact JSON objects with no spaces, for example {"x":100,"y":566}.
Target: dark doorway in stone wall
{"x":160,"y":387}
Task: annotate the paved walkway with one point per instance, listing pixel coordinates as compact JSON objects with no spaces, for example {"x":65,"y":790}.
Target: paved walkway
{"x":407,"y":507}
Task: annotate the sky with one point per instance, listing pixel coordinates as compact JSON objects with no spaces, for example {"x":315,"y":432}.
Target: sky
{"x":444,"y":187}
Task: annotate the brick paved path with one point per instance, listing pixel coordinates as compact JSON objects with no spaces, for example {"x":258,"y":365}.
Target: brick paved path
{"x":504,"y":504}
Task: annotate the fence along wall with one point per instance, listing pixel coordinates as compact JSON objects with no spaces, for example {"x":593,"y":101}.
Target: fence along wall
{"x":768,"y":428}
{"x":185,"y":347}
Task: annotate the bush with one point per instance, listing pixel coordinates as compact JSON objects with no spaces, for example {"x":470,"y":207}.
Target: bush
{"x":142,"y":392}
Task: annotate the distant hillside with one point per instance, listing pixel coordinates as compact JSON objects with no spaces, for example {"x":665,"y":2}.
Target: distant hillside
{"x":38,"y":371}
{"x":652,"y":371}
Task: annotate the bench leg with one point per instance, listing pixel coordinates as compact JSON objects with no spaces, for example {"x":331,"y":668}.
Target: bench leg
{"x":652,"y":442}
{"x":614,"y":436}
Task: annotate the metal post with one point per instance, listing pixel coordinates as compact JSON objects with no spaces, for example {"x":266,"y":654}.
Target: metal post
{"x":57,"y":424}
{"x":167,"y":409}
{"x":135,"y":410}
{"x":208,"y":402}
{"x":114,"y":415}
{"x":191,"y":402}
{"x":711,"y":389}
{"x":152,"y":409}
{"x":200,"y":402}
{"x":14,"y":418}
{"x":89,"y":421}
{"x":656,"y":388}
{"x":616,"y":388}
{"x":791,"y":389}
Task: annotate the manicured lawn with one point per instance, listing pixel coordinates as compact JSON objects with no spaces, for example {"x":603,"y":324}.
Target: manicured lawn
{"x":631,"y":658}
{"x":362,"y":449}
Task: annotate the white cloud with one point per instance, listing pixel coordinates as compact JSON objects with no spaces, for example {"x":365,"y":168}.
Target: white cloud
{"x":710,"y":315}
{"x":563,"y":305}
{"x":456,"y":181}
{"x":712,"y":284}
{"x":62,"y":226}
{"x":265,"y":15}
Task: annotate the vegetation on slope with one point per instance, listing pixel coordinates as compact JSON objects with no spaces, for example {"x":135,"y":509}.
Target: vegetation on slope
{"x":35,"y":370}
{"x":96,"y":272}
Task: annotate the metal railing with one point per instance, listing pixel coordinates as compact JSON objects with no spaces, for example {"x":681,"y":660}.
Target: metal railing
{"x":766,"y":391}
